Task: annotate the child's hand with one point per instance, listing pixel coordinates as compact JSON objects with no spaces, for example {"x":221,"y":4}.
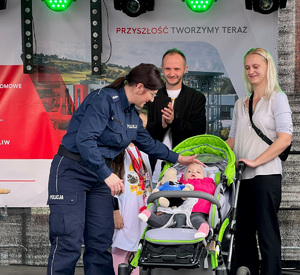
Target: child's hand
{"x":118,"y":220}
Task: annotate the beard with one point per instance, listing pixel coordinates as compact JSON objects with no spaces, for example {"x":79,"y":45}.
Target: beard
{"x":174,"y":82}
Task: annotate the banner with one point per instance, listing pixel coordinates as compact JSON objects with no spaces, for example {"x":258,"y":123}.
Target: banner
{"x":35,"y":108}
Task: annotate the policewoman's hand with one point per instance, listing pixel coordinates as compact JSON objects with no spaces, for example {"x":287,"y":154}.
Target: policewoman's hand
{"x":186,"y":160}
{"x":115,"y":184}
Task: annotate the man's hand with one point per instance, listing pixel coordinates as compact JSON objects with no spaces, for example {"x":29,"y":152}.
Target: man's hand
{"x":168,"y":113}
{"x":164,"y":123}
{"x":115,"y":184}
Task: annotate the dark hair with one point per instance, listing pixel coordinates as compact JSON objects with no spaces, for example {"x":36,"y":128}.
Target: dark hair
{"x":118,"y":165}
{"x":147,"y":74}
{"x":172,"y":51}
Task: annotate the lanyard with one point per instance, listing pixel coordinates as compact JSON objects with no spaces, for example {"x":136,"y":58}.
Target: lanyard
{"x":138,"y":166}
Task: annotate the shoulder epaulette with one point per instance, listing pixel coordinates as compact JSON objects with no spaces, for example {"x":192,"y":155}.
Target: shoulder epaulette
{"x":115,"y":96}
{"x":112,"y":93}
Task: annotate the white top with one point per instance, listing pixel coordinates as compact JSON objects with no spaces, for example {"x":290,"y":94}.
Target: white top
{"x":270,"y":116}
{"x":130,"y":203}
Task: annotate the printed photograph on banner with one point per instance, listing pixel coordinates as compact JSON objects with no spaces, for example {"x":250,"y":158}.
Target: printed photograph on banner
{"x":206,"y":73}
{"x":35,"y":109}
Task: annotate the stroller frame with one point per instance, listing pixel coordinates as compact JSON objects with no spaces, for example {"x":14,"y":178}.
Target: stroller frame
{"x":225,"y":227}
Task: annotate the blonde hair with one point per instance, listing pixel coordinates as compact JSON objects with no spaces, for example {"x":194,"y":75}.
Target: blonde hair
{"x":272,"y":79}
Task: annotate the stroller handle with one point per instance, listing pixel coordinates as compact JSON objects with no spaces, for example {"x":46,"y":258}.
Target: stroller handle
{"x":184,"y":194}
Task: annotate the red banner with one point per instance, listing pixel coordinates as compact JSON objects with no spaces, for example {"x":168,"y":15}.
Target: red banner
{"x":32,"y":116}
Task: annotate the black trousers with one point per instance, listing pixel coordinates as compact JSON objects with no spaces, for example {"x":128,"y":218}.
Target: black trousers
{"x":258,"y":204}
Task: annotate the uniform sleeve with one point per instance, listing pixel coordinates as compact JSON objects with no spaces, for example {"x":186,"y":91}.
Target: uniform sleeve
{"x":93,"y":123}
{"x":152,"y":147}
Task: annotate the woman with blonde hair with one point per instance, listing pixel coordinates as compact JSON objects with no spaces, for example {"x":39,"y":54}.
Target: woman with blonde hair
{"x":260,"y":190}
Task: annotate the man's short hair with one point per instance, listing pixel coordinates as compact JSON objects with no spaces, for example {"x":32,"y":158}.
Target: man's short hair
{"x":172,"y":51}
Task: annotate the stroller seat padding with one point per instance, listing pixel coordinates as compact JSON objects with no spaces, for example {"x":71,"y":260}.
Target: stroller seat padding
{"x":172,"y":236}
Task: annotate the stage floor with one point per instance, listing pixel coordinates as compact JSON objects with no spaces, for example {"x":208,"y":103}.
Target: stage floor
{"x":30,"y":270}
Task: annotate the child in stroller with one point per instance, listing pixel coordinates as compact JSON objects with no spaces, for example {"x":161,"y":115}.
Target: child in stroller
{"x":168,"y":250}
{"x":194,"y":174}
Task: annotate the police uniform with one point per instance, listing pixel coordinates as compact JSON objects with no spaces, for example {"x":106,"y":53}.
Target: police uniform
{"x":81,"y":204}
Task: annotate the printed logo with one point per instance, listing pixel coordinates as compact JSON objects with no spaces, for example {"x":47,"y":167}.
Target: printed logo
{"x":56,"y":197}
{"x":131,"y":126}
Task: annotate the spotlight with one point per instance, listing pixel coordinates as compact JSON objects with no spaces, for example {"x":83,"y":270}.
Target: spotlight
{"x":27,"y":36}
{"x":2,"y":4}
{"x":265,"y":6}
{"x":199,"y":5}
{"x":58,"y":5}
{"x":96,"y":36}
{"x":134,"y":8}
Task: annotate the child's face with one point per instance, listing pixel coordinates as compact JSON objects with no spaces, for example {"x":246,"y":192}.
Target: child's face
{"x":194,"y":171}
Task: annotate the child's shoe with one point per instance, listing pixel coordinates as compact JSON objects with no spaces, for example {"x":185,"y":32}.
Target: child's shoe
{"x":202,"y":231}
{"x":144,"y":216}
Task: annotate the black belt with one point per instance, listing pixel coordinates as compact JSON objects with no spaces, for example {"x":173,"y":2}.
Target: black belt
{"x":63,"y":151}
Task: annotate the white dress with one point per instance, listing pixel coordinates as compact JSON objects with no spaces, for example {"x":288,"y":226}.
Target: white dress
{"x":130,"y":203}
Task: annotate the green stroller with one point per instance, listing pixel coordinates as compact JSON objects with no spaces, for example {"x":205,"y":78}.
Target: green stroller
{"x":175,"y":250}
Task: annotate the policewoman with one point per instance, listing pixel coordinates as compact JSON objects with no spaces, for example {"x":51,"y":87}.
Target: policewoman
{"x":81,"y":181}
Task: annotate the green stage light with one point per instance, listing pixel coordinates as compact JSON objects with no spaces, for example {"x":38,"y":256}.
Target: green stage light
{"x":58,"y":5}
{"x":199,"y":5}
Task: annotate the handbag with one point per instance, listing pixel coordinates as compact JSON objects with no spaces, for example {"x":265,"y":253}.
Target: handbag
{"x":283,"y":156}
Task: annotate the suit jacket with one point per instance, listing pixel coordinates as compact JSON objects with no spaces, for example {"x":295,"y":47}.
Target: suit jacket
{"x":189,"y":115}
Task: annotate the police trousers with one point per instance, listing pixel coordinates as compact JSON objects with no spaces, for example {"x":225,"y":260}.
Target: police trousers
{"x":81,"y":210}
{"x":258,"y":204}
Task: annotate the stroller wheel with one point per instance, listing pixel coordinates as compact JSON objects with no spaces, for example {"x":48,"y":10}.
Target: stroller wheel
{"x":145,"y":271}
{"x":123,"y":269}
{"x":243,"y":271}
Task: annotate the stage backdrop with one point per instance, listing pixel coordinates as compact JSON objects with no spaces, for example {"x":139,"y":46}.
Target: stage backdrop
{"x":35,"y":108}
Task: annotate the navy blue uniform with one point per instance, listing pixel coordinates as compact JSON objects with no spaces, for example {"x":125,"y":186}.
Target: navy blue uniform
{"x":81,"y":205}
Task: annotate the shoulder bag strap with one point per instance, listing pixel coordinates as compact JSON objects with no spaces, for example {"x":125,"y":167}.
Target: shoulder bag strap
{"x":258,"y":132}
